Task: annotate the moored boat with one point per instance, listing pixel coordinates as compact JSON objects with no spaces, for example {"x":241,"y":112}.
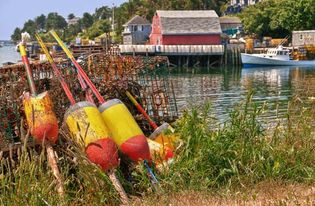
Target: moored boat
{"x":278,"y":56}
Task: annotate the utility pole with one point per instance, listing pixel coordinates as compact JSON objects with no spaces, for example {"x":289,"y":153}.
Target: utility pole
{"x":113,"y":18}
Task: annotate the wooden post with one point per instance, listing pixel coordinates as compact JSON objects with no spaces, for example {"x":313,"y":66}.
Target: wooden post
{"x":236,"y":57}
{"x":54,"y":167}
{"x":225,"y":54}
{"x":187,"y":61}
{"x":240,"y":56}
{"x":118,"y":187}
{"x":233,"y":56}
{"x":208,"y":61}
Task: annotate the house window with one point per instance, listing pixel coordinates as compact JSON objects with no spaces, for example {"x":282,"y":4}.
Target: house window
{"x":135,"y":28}
{"x":301,"y":36}
{"x":140,"y":28}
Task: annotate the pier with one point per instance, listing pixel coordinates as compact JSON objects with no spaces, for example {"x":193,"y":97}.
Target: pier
{"x":179,"y":55}
{"x":189,"y":55}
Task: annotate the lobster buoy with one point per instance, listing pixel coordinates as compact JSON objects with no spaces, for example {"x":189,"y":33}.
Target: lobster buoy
{"x":164,"y":135}
{"x":159,"y":152}
{"x":40,"y":117}
{"x":86,"y":125}
{"x":125,"y":131}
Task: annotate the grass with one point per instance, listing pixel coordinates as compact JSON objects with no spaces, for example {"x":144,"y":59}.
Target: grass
{"x":242,"y":153}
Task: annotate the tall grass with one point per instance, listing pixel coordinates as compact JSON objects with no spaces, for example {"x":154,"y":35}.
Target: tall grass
{"x":30,"y":180}
{"x":239,"y":153}
{"x":242,"y":151}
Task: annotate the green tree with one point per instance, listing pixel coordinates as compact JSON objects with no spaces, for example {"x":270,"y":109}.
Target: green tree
{"x":30,"y":27}
{"x":71,"y":16}
{"x":72,"y":31}
{"x":16,"y":36}
{"x":55,"y":21}
{"x":98,"y":28}
{"x":40,"y":22}
{"x":87,"y":20}
{"x":278,"y":18}
{"x":103,"y":12}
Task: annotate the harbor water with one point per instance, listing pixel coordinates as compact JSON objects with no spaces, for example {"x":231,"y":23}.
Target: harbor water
{"x":226,"y":87}
{"x":8,"y":54}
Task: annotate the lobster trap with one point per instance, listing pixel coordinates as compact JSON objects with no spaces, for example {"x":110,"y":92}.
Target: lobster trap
{"x":113,"y":75}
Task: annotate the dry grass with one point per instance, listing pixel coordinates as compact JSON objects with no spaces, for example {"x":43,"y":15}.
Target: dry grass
{"x":266,"y":193}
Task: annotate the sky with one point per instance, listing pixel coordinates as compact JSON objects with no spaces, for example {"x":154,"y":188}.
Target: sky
{"x":13,"y":13}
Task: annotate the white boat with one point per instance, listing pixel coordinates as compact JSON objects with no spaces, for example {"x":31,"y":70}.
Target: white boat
{"x":274,"y":57}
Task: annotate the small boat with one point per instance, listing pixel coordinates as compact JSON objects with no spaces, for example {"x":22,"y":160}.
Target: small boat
{"x":278,"y":56}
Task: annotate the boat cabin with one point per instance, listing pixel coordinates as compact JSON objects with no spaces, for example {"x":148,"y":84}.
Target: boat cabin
{"x":279,"y":53}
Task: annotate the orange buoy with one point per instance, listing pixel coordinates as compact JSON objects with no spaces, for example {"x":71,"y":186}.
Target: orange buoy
{"x":125,"y":131}
{"x":40,"y":117}
{"x":159,"y":152}
{"x":87,"y":126}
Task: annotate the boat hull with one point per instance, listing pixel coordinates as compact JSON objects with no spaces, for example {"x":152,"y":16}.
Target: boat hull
{"x":250,"y":60}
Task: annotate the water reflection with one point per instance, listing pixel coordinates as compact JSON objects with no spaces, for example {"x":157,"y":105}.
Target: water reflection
{"x":8,"y":54}
{"x":225,"y":87}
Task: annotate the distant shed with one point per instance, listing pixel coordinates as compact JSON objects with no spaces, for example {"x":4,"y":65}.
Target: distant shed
{"x":303,"y":38}
{"x":230,"y":23}
{"x":136,"y":31}
{"x":189,"y":27}
{"x":73,"y":21}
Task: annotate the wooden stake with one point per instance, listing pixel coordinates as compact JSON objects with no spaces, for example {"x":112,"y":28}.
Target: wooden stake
{"x":118,"y":187}
{"x":53,"y":164}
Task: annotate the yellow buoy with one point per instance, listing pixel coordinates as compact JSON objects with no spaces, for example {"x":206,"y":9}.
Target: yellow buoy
{"x":40,"y":117}
{"x":125,"y":131}
{"x":159,"y":152}
{"x":87,"y":126}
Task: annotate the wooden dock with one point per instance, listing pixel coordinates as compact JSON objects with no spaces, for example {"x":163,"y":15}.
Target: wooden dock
{"x":179,"y":55}
{"x":171,"y":50}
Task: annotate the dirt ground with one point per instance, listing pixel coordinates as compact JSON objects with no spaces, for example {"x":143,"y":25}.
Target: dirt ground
{"x":260,"y":195}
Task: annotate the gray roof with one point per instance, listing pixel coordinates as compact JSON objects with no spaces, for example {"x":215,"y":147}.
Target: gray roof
{"x":303,"y":31}
{"x":230,"y":20}
{"x":182,"y":22}
{"x":137,"y":20}
{"x":74,"y":20}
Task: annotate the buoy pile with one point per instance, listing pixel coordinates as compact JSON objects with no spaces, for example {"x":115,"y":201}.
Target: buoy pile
{"x":103,"y":130}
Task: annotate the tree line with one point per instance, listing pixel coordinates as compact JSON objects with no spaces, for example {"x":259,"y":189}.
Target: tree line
{"x":276,"y":18}
{"x":93,"y":25}
{"x":89,"y":26}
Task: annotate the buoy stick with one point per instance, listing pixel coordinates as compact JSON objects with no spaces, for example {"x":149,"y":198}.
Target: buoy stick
{"x":56,"y":70}
{"x":54,"y":167}
{"x":141,"y":110}
{"x":119,"y":188}
{"x":50,"y":152}
{"x":59,"y":76}
{"x":88,"y":95}
{"x":27,"y":69}
{"x":79,"y":68}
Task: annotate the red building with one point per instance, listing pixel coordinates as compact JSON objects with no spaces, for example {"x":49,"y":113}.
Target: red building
{"x":192,"y":27}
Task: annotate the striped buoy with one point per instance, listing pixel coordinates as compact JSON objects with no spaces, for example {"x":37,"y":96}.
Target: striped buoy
{"x":125,"y":131}
{"x":86,"y":125}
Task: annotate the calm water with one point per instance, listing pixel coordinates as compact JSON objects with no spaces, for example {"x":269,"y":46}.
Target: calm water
{"x":8,"y":54}
{"x":226,"y":87}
